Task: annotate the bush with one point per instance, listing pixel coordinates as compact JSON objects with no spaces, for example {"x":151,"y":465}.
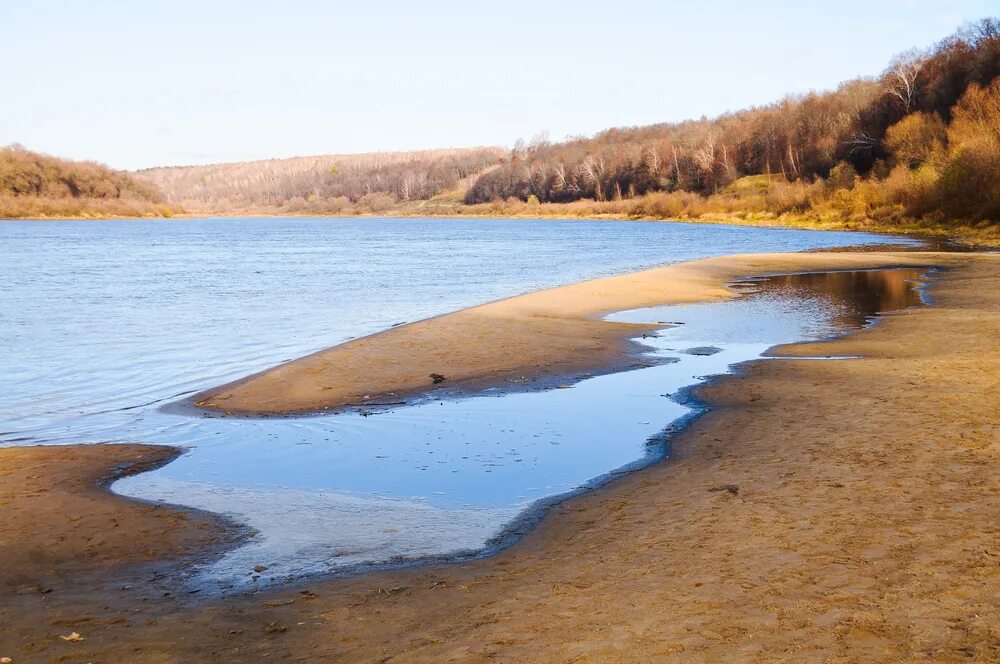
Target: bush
{"x":969,"y":187}
{"x":376,"y":202}
{"x":976,"y":116}
{"x":916,"y":139}
{"x":842,"y":176}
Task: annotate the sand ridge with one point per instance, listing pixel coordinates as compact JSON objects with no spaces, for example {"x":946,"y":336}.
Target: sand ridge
{"x":550,"y":333}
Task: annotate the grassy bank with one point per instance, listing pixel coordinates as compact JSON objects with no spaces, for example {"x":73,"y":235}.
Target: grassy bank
{"x":681,"y":206}
{"x":676,"y":206}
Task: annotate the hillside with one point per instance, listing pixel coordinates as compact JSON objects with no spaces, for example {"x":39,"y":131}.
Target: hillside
{"x":328,"y":184}
{"x":917,"y":146}
{"x":34,"y":185}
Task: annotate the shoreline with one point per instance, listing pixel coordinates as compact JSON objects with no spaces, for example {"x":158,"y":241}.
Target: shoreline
{"x":859,"y":528}
{"x":656,"y":450}
{"x":87,"y":532}
{"x":657,"y":447}
{"x":533,"y":340}
{"x":149,"y":457}
{"x":964,"y":236}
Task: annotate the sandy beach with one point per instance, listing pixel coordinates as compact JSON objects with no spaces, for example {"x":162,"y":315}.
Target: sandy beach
{"x":819,"y":512}
{"x":549,"y":334}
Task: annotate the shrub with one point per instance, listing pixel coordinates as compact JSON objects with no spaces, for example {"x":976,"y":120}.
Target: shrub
{"x":969,"y":187}
{"x":376,"y":202}
{"x":842,"y":176}
{"x":915,"y":139}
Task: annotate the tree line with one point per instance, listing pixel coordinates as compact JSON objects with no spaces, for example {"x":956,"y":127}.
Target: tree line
{"x":917,"y":145}
{"x":916,"y":115}
{"x":38,"y":185}
{"x":324,"y":184}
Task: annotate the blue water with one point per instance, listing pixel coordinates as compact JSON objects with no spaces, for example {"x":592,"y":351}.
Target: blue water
{"x":101,"y":322}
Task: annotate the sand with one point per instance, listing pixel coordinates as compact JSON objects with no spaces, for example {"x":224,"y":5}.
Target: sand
{"x":535,"y":338}
{"x":59,"y":521}
{"x":839,"y":511}
{"x":65,"y":539}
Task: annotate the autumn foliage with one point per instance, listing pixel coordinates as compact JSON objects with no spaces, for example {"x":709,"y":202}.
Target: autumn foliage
{"x":920,"y":141}
{"x":917,"y":147}
{"x":330,"y":184}
{"x":37,"y":185}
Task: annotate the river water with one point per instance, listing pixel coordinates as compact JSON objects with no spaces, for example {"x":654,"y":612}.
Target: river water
{"x":103,"y":322}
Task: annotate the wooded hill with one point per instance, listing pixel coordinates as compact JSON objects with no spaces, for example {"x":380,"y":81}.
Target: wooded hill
{"x":328,"y":184}
{"x":920,"y":142}
{"x":37,"y":185}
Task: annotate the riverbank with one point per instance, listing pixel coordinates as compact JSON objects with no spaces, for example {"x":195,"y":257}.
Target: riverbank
{"x":985,"y":236}
{"x":538,"y":339}
{"x":977,"y":236}
{"x":820,"y":511}
{"x":63,"y":531}
{"x":982,"y":235}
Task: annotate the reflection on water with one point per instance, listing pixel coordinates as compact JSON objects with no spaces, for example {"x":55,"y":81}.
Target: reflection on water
{"x":852,"y":297}
{"x":341,"y":492}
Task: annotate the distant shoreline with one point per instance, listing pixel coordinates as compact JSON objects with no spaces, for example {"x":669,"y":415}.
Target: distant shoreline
{"x":969,"y":236}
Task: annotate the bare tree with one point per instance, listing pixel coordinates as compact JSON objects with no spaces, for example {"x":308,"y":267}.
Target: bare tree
{"x":559,"y":181}
{"x":704,"y":159}
{"x":902,"y":78}
{"x":539,"y":141}
{"x":520,"y":150}
{"x":862,"y":144}
{"x":652,"y":160}
{"x":592,"y":170}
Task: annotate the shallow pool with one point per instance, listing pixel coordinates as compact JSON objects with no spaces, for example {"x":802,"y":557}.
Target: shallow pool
{"x":351,"y":491}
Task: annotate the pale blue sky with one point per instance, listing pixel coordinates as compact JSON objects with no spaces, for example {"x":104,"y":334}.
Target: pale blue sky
{"x":149,"y":83}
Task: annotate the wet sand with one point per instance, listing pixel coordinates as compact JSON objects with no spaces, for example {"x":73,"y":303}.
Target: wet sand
{"x":839,"y":511}
{"x":60,"y":522}
{"x":66,"y":540}
{"x":537,"y":337}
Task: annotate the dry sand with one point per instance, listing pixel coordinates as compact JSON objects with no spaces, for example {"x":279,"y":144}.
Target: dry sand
{"x":546,"y":334}
{"x":840,"y":511}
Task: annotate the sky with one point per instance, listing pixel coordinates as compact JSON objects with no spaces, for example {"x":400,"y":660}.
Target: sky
{"x":149,"y":83}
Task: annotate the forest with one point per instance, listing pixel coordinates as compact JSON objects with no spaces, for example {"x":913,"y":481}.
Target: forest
{"x":37,"y":185}
{"x":918,"y":144}
{"x":329,"y":184}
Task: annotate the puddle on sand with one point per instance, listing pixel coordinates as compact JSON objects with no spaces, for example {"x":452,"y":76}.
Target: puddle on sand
{"x":342,"y":493}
